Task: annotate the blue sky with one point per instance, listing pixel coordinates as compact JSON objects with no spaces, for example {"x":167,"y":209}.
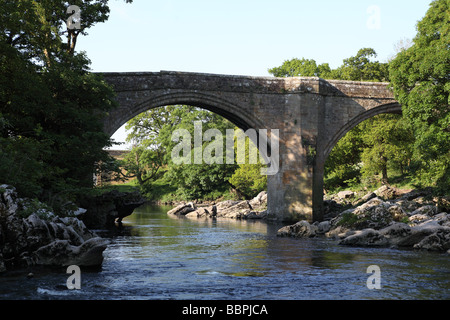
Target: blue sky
{"x":245,"y":37}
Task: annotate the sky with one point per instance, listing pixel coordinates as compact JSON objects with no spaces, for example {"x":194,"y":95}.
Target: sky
{"x":244,"y":37}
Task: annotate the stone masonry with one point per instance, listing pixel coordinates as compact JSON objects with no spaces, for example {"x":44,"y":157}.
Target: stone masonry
{"x":312,"y":114}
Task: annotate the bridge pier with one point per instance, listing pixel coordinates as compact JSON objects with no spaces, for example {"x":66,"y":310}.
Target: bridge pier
{"x":296,"y":192}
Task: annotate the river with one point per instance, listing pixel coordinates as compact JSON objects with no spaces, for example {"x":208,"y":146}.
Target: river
{"x":155,"y":256}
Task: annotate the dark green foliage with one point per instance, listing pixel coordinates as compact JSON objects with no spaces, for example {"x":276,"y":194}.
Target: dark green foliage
{"x":51,"y":106}
{"x":420,"y":78}
{"x":416,"y":145}
{"x":151,"y":163}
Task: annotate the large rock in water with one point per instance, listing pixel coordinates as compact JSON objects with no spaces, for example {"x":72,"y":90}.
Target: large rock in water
{"x":255,"y":208}
{"x":301,"y":229}
{"x":382,"y":223}
{"x":365,"y":238}
{"x":103,"y":211}
{"x":182,"y":209}
{"x":43,"y":238}
{"x":62,"y":253}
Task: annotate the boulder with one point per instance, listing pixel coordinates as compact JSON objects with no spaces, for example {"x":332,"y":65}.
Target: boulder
{"x":259,"y":202}
{"x":418,"y":218}
{"x":244,"y":209}
{"x":236,"y":211}
{"x":10,"y":203}
{"x":386,"y":192}
{"x":182,"y":209}
{"x":396,"y":232}
{"x":443,"y":219}
{"x":373,"y":214}
{"x":43,"y":238}
{"x":368,"y":196}
{"x":365,"y":238}
{"x":438,"y":241}
{"x":346,"y":194}
{"x":397,"y":213}
{"x":419,"y":232}
{"x":203,"y":212}
{"x":323,"y":227}
{"x":62,"y":253}
{"x":337,"y":232}
{"x":428,"y":210}
{"x":407,"y":205}
{"x":301,"y":229}
{"x":102,"y":211}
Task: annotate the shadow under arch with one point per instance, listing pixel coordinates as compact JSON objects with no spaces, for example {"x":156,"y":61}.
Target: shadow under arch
{"x":395,"y":108}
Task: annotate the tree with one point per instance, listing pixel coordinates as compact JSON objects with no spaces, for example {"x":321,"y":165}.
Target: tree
{"x":357,"y":68}
{"x":51,"y":106}
{"x":387,"y":143}
{"x":343,"y":165}
{"x":247,"y":180}
{"x":301,"y":68}
{"x":420,"y":78}
{"x":150,"y":157}
{"x":361,"y":68}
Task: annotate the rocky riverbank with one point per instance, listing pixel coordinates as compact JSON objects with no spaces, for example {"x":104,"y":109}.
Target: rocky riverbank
{"x":255,"y":208}
{"x":30,"y":234}
{"x":388,"y":217}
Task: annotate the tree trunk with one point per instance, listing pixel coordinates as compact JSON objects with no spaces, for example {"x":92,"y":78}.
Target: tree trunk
{"x":384,"y":178}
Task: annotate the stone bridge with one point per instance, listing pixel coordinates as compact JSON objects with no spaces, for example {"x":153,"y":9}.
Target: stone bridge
{"x":311,"y":114}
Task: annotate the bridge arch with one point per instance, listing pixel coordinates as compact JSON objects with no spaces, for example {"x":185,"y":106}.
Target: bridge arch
{"x":395,"y":108}
{"x":232,"y":112}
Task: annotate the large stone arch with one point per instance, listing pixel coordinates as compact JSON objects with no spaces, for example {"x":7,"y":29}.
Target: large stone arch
{"x":232,"y":112}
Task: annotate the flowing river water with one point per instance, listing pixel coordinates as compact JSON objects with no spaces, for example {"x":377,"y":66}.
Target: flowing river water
{"x":156,"y":256}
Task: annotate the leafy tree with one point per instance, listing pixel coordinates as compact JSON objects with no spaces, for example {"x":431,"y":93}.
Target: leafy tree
{"x":420,"y":78}
{"x":150,"y":157}
{"x":301,"y":68}
{"x":361,"y":68}
{"x":248,"y":181}
{"x":343,"y":165}
{"x":51,"y":106}
{"x":387,"y":143}
{"x":357,"y":68}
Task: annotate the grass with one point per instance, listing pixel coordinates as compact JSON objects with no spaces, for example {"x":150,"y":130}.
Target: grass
{"x":125,"y":187}
{"x":161,"y":191}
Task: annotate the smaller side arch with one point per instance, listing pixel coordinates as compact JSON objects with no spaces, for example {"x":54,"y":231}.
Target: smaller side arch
{"x":395,"y":108}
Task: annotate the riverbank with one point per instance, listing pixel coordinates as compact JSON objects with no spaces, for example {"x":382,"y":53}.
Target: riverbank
{"x":31,"y":234}
{"x":255,"y":208}
{"x":387,"y":217}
